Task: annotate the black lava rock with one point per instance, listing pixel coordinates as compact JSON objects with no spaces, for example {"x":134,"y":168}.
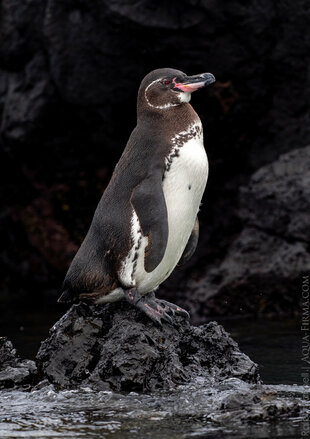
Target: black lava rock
{"x":277,"y":198}
{"x":115,"y":347}
{"x":13,"y":371}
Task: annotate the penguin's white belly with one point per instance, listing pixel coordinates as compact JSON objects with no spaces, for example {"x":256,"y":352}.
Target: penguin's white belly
{"x":183,"y":187}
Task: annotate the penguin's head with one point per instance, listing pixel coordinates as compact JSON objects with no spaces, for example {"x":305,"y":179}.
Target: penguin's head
{"x":166,"y":88}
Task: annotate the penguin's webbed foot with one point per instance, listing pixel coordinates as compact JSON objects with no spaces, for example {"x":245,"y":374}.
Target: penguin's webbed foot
{"x":157,"y":310}
{"x":148,"y":305}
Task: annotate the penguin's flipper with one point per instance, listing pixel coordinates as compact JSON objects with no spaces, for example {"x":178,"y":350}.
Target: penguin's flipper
{"x":149,"y":203}
{"x":191,"y":244}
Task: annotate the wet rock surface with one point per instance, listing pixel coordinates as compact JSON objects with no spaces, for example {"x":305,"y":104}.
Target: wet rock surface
{"x":14,"y":372}
{"x":108,"y":369}
{"x":115,"y":347}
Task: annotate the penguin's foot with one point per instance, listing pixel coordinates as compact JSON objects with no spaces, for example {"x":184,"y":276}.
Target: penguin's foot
{"x":171,"y":308}
{"x":157,"y":310}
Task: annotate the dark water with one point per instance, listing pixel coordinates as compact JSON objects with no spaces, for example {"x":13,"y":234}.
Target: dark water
{"x":275,"y":345}
{"x":188,"y":412}
{"x":182,"y":413}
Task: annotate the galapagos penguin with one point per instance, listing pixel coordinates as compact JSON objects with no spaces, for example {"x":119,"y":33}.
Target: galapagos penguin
{"x":146,"y":221}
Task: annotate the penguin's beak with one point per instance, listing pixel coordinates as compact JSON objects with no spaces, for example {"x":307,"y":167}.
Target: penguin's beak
{"x":192,"y":83}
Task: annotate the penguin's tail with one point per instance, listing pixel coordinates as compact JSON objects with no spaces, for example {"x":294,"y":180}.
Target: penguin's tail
{"x":67,"y":296}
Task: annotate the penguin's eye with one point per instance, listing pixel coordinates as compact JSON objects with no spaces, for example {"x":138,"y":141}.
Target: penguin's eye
{"x":166,"y":81}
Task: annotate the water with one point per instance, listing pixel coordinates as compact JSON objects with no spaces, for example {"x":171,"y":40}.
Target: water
{"x":273,"y":344}
{"x":192,"y":411}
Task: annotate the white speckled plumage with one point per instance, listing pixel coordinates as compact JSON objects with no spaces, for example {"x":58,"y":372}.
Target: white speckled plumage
{"x":135,"y":255}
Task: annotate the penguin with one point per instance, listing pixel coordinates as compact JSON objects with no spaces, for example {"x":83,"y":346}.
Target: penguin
{"x":146,"y":221}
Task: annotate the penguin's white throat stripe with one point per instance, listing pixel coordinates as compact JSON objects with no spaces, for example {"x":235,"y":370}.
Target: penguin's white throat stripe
{"x":183,"y":97}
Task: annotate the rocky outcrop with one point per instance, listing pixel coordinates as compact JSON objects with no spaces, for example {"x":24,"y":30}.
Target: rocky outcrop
{"x":115,"y":347}
{"x":92,"y":350}
{"x":14,"y":372}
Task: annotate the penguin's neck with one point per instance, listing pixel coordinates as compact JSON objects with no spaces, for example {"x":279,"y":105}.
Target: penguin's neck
{"x":177,"y":118}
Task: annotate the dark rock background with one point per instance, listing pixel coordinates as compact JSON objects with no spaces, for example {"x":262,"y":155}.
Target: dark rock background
{"x":69,"y":74}
{"x":15,"y":372}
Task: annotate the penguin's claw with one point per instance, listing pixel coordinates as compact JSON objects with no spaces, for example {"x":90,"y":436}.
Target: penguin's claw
{"x":172,"y":308}
{"x":157,"y":310}
{"x":158,"y":316}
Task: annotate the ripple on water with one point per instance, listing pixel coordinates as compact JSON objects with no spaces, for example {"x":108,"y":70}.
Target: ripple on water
{"x":200,"y":409}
